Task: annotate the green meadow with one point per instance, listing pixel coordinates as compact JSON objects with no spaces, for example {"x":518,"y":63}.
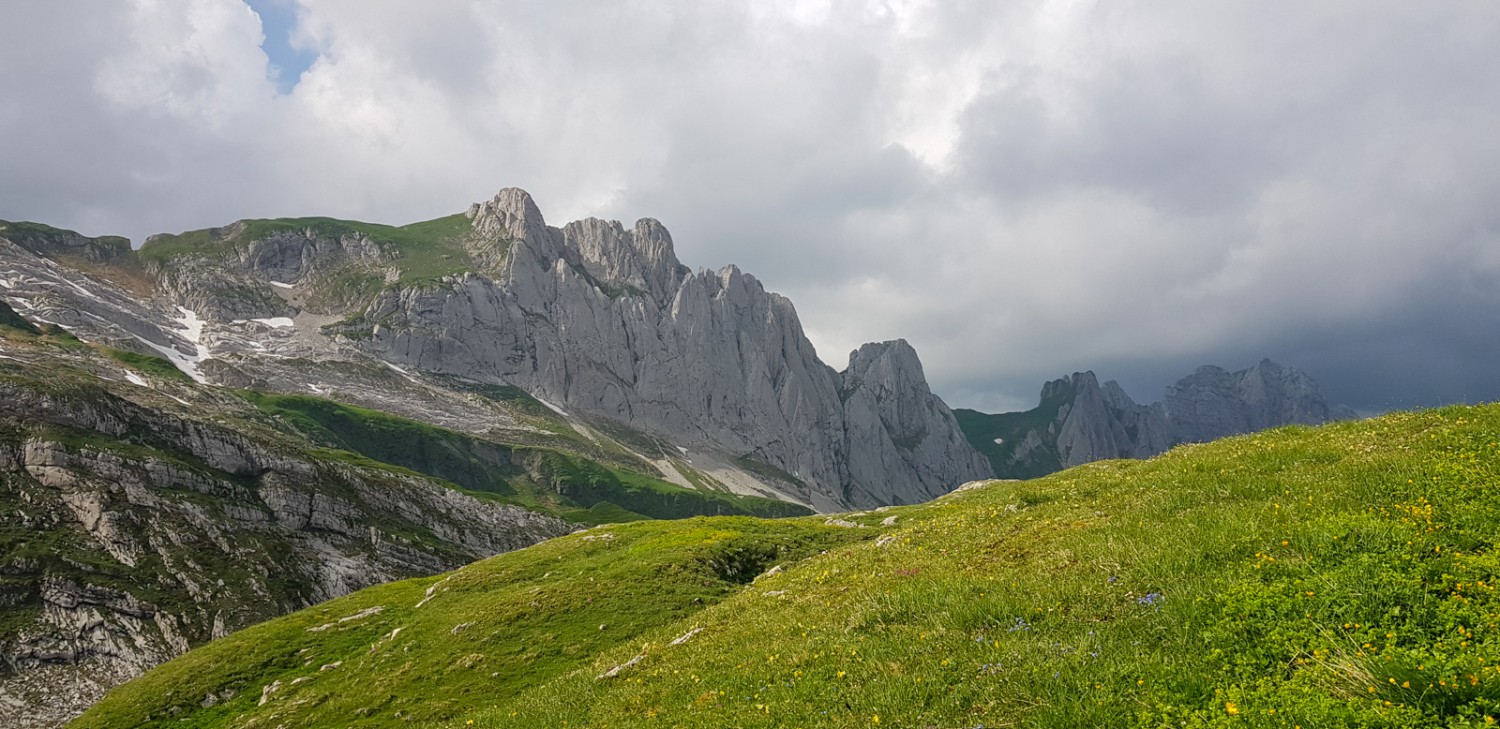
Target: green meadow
{"x":1329,"y":577}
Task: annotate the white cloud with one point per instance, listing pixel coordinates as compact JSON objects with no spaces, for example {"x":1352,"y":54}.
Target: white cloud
{"x":1021,"y":189}
{"x":198,"y":60}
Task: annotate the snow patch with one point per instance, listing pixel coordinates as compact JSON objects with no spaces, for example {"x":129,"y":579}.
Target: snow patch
{"x":400,"y":371}
{"x":6,"y":283}
{"x":275,"y":322}
{"x":135,"y":379}
{"x":192,"y":330}
{"x":684,"y":450}
{"x":281,"y":285}
{"x":82,"y":290}
{"x":552,"y":407}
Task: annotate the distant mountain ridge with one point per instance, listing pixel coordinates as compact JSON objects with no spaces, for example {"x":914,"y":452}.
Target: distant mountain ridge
{"x":1079,"y":421}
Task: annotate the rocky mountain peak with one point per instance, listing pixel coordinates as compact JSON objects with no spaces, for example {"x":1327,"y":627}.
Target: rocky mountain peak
{"x":599,"y":319}
{"x":899,"y":427}
{"x":639,"y":260}
{"x":1213,"y":402}
{"x":1079,"y":421}
{"x":895,"y":355}
{"x":1069,"y":387}
{"x":510,"y":214}
{"x":1095,"y":422}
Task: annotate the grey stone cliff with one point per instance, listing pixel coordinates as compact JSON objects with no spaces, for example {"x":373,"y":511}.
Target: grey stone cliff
{"x":602,"y":319}
{"x":895,"y":425}
{"x":596,"y":319}
{"x":1079,"y":421}
{"x":1103,"y":422}
{"x":135,"y":531}
{"x":1213,"y":403}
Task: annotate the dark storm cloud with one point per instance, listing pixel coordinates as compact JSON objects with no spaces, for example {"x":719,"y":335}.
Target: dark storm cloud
{"x":1022,"y":190}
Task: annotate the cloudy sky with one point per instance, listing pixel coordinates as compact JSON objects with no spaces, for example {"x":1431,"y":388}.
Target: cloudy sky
{"x":1020,"y":189}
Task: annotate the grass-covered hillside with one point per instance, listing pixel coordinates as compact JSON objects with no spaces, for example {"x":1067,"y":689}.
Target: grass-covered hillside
{"x":425,"y":250}
{"x":543,"y":479}
{"x":1340,"y":576}
{"x":998,"y":436}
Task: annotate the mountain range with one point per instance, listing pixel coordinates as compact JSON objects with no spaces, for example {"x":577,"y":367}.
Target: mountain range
{"x":1079,"y":421}
{"x":229,"y":424}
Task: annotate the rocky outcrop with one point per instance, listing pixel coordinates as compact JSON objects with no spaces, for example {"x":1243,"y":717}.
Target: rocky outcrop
{"x":595,"y":318}
{"x":1213,"y":403}
{"x":605,"y":320}
{"x":143,"y":533}
{"x":1103,"y":422}
{"x":895,"y":425}
{"x":1079,"y":421}
{"x":46,"y":240}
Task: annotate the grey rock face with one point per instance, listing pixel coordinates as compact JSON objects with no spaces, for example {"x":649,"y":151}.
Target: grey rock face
{"x":605,"y":320}
{"x":1103,"y":422}
{"x":903,"y":442}
{"x":1080,"y":421}
{"x":595,"y":318}
{"x":1214,"y":403}
{"x":166,"y":531}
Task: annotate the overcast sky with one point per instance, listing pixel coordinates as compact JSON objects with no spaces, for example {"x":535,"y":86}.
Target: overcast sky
{"x":1020,"y":189}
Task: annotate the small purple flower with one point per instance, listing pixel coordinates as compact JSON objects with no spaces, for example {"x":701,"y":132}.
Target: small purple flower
{"x":1020,"y":624}
{"x":1153,"y":599}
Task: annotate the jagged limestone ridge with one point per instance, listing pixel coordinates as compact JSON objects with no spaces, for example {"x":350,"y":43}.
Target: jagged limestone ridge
{"x":603,"y":319}
{"x":592,"y":317}
{"x":1079,"y":421}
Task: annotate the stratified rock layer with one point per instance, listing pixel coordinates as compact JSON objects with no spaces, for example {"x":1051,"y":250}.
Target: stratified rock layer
{"x":598,"y":318}
{"x":133,"y":532}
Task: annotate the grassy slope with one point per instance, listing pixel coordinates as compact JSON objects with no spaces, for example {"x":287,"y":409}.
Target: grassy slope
{"x":490,"y":631}
{"x":9,"y":319}
{"x":982,"y":429}
{"x":1343,"y":576}
{"x":573,"y":486}
{"x":425,"y":251}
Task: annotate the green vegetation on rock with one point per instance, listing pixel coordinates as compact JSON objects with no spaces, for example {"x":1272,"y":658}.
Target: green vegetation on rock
{"x":1339,"y":576}
{"x":9,"y":319}
{"x":540,"y":478}
{"x":158,"y":366}
{"x":424,"y":252}
{"x":46,"y":240}
{"x":997,"y":437}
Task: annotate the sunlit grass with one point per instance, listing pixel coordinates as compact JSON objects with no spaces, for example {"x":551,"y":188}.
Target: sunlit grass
{"x":1339,"y":576}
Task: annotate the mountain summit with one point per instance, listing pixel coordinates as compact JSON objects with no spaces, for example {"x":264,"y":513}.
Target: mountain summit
{"x":1079,"y":421}
{"x":711,"y":374}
